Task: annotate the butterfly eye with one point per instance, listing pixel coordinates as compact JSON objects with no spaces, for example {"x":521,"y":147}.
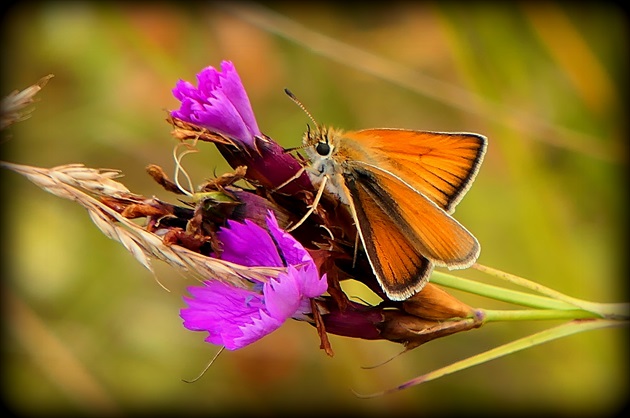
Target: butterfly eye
{"x":323,"y":149}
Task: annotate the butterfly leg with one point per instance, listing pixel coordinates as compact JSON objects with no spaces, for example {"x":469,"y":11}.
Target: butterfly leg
{"x":294,"y":177}
{"x":312,"y":207}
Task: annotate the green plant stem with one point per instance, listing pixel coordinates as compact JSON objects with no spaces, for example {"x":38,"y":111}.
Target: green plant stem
{"x":550,"y":334}
{"x":498,"y":293}
{"x":605,"y":310}
{"x":536,"y":315}
{"x":553,"y":300}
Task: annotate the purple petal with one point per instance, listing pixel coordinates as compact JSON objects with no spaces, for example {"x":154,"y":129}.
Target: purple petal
{"x":236,"y":317}
{"x":234,"y":90}
{"x":311,"y":284}
{"x":232,"y":317}
{"x":249,"y":245}
{"x":221,"y":310}
{"x":292,"y":251}
{"x":254,"y":331}
{"x":219,"y":103}
{"x":282,"y":296}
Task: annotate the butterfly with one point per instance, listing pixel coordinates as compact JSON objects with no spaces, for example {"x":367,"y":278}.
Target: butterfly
{"x":401,"y":187}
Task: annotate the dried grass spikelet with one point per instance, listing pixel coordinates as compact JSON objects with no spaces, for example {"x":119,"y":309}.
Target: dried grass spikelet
{"x":11,"y":107}
{"x":81,"y":184}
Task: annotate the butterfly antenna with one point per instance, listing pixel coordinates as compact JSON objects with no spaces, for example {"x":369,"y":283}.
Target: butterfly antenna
{"x":308,"y":127}
{"x":297,"y":102}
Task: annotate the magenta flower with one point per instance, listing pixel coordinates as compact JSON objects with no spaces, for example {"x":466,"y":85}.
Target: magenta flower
{"x":236,"y":317}
{"x":220,"y":104}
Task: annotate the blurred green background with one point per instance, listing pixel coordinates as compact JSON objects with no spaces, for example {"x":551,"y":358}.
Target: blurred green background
{"x":88,"y":330}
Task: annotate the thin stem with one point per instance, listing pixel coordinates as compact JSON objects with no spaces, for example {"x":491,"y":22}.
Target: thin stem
{"x":498,"y":293}
{"x":536,"y":315}
{"x":560,"y":331}
{"x":607,"y":310}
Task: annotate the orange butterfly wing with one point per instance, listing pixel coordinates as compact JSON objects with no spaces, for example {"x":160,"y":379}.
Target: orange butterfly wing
{"x":403,"y":232}
{"x":441,"y":166}
{"x":400,"y":267}
{"x":434,"y":233}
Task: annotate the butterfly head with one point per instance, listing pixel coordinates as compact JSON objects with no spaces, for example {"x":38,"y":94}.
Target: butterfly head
{"x":319,"y":140}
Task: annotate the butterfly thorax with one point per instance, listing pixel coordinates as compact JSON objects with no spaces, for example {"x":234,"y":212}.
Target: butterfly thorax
{"x":321,"y":146}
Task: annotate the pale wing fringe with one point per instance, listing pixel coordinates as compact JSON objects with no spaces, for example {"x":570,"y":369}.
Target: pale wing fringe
{"x":78,"y":183}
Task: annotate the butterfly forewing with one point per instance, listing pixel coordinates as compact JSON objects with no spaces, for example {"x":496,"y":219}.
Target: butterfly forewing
{"x":441,"y":166}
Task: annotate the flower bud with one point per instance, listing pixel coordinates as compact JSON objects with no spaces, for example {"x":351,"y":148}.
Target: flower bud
{"x":434,"y":303}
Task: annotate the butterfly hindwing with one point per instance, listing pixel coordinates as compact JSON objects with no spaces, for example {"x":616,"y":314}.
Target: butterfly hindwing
{"x":391,"y":204}
{"x":399,"y":267}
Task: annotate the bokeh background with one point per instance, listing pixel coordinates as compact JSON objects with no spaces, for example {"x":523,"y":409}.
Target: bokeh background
{"x":88,"y":330}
